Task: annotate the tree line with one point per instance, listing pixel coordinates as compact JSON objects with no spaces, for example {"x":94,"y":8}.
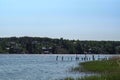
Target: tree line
{"x":38,"y":45}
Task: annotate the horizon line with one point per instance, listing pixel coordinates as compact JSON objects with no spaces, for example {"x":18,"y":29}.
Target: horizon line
{"x":55,"y":38}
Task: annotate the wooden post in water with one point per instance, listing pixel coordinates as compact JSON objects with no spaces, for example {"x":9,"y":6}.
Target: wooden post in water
{"x":98,"y":57}
{"x":89,"y":58}
{"x":85,"y":57}
{"x":62,"y":58}
{"x":56,"y":58}
{"x":93,"y":57}
{"x":76,"y":58}
{"x":82,"y":58}
{"x":71,"y":58}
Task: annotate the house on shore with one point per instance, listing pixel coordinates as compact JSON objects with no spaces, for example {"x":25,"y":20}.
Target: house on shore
{"x":46,"y":50}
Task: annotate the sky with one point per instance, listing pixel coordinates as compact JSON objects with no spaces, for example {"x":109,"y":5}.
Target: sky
{"x":70,"y":19}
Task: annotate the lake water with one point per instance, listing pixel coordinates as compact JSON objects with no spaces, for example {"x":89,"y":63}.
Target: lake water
{"x":40,"y":66}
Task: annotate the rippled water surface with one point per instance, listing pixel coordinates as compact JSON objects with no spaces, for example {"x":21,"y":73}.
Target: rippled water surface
{"x":39,"y":67}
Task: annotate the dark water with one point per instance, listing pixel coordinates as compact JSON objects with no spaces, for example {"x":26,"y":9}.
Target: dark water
{"x":40,"y":67}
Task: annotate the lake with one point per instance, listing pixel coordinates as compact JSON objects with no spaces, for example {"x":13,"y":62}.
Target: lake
{"x":41,"y":66}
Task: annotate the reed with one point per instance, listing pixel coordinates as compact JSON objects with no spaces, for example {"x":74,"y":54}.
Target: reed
{"x":107,"y":69}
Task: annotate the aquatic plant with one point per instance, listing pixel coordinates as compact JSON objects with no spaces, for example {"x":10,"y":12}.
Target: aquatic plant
{"x":107,"y":69}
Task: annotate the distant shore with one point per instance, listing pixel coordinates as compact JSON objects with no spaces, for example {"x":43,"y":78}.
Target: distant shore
{"x":38,"y":45}
{"x":60,"y":54}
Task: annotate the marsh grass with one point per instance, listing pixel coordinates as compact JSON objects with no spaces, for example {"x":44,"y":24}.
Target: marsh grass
{"x":107,"y":69}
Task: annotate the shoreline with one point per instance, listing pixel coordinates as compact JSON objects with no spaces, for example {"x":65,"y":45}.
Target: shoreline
{"x":59,"y":54}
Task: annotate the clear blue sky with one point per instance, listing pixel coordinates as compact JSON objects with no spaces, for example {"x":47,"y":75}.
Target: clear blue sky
{"x":70,"y":19}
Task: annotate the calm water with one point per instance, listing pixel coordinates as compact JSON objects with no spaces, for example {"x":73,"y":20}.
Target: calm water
{"x":39,"y":67}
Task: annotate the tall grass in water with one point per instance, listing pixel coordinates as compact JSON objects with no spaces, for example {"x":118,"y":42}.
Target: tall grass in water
{"x":108,"y":69}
